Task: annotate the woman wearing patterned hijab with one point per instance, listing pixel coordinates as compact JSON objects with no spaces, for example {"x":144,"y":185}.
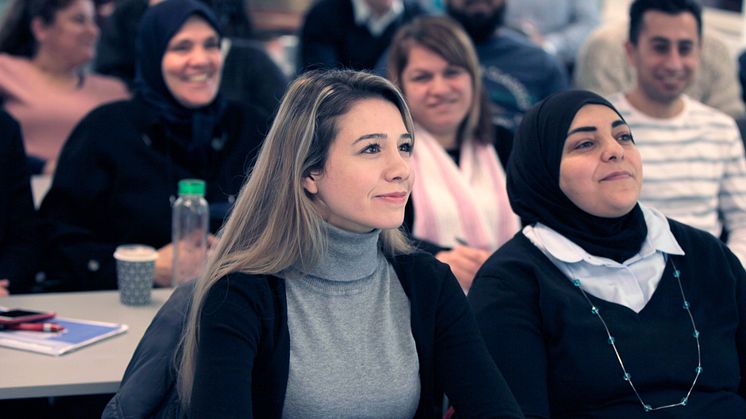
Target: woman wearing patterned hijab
{"x":603,"y":307}
{"x":118,"y":172}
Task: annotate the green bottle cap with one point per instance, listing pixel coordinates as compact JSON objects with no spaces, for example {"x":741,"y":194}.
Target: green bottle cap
{"x":191,"y":187}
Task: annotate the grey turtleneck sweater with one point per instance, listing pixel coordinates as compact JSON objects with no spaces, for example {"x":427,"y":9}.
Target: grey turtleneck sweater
{"x":352,"y":353}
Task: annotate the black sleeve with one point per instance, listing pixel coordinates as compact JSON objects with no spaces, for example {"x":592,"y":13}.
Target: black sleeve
{"x":76,"y":256}
{"x":506,"y":308}
{"x":230,"y":328}
{"x":469,"y":376}
{"x":18,"y":234}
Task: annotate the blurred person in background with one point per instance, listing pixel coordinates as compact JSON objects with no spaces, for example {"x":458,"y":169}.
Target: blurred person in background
{"x":695,"y":168}
{"x":602,"y":67}
{"x":119,"y":171}
{"x":459,"y":209}
{"x":249,"y":74}
{"x":517,"y":73}
{"x":560,"y":29}
{"x":45,"y":46}
{"x":17,"y":214}
{"x":351,"y":34}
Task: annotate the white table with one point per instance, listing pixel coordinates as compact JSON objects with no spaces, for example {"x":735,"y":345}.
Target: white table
{"x":94,"y":369}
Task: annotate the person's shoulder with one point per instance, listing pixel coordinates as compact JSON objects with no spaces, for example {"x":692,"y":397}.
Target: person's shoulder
{"x":108,"y":87}
{"x":703,"y":250}
{"x":13,"y":68}
{"x":517,"y":41}
{"x":510,"y":38}
{"x":417,"y":260}
{"x":517,"y":46}
{"x":243,"y":288}
{"x":113,"y":119}
{"x":419,"y":265}
{"x":517,"y":264}
{"x":694,"y":240}
{"x":119,"y":110}
{"x":517,"y":254}
{"x":10,"y":61}
{"x":102,"y":80}
{"x":696,"y":108}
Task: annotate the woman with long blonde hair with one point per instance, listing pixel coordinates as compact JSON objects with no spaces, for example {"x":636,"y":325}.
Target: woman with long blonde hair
{"x":314,"y":303}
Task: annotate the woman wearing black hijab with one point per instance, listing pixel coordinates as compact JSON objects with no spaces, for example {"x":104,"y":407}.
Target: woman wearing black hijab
{"x":602,"y":307}
{"x":118,"y":172}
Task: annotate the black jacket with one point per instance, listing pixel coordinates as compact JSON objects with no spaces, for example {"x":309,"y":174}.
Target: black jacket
{"x":554,"y":352}
{"x":117,"y":176}
{"x":451,"y":353}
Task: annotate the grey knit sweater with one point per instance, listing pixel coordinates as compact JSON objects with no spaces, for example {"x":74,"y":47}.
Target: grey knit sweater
{"x":352,"y":353}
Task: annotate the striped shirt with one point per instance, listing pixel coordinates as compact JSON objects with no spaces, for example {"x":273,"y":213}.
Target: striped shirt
{"x":694,"y":168}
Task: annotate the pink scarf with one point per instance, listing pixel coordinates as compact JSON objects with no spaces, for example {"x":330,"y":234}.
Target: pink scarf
{"x":456,"y":205}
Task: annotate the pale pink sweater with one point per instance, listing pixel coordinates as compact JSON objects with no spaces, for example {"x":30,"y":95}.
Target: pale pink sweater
{"x":48,"y":112}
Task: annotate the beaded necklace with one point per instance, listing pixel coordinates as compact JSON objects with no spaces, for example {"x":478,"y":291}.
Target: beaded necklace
{"x":611,"y":341}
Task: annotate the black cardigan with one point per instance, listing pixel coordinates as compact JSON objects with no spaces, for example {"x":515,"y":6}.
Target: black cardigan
{"x":117,"y":176}
{"x":17,"y":213}
{"x":245,"y":347}
{"x":553,"y":351}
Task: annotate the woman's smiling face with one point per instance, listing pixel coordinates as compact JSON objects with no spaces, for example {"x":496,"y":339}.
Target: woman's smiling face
{"x":601,"y":169}
{"x":439,"y":93}
{"x":366,"y":181}
{"x":192,"y":63}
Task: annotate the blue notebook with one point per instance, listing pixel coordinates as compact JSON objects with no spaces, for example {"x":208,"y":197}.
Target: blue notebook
{"x":77,"y":334}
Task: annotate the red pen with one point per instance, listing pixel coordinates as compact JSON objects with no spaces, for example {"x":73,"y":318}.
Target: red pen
{"x":34,"y":327}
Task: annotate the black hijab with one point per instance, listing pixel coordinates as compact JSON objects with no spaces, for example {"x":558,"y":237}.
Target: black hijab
{"x":159,"y":24}
{"x":533,"y":182}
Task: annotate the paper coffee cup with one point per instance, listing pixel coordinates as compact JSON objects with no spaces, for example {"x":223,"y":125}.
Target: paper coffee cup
{"x":135,"y":273}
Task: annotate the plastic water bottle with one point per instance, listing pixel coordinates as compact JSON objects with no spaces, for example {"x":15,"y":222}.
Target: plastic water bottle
{"x":190,"y":227}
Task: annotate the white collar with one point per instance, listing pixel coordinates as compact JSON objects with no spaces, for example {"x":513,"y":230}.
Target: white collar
{"x":376,"y":25}
{"x":659,"y":238}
